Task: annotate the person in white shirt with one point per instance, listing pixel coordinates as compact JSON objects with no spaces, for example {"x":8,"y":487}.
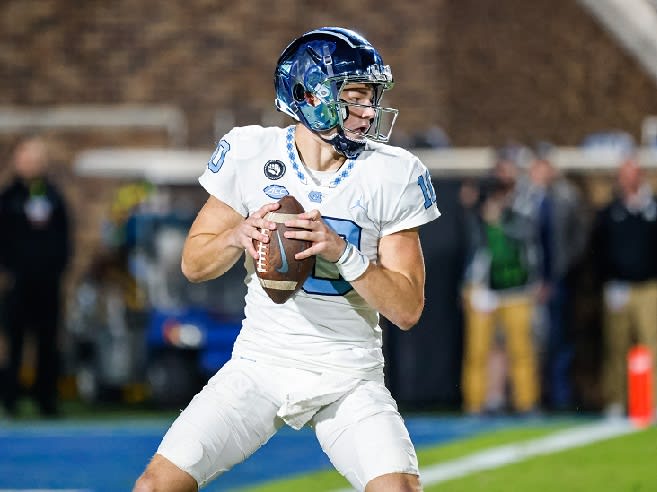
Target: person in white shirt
{"x":316,"y":359}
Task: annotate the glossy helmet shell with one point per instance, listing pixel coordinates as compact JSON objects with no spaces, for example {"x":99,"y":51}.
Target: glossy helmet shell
{"x":320,"y":62}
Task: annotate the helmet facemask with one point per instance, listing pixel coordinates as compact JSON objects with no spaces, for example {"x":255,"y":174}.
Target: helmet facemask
{"x":333,"y":112}
{"x":381,"y":123}
{"x":351,"y":142}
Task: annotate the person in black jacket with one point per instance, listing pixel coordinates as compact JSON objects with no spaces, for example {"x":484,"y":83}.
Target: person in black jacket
{"x":625,"y":247}
{"x":35,"y":250}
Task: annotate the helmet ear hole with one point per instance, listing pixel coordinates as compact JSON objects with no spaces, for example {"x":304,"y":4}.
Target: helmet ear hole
{"x":298,"y":92}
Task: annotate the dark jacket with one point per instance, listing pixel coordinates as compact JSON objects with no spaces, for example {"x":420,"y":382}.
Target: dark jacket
{"x":34,"y":227}
{"x":625,"y":241}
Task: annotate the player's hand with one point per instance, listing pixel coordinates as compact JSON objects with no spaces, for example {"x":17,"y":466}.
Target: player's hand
{"x":325,"y":241}
{"x":252,"y":228}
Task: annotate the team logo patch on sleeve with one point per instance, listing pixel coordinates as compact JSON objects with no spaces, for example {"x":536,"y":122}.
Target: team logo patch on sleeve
{"x":274,"y":169}
{"x":275,"y":191}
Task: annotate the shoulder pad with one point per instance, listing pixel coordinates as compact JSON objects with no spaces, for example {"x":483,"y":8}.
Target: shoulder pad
{"x":248,"y":141}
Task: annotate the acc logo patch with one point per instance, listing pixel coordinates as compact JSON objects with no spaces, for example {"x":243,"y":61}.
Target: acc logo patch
{"x":275,"y":191}
{"x":274,"y":169}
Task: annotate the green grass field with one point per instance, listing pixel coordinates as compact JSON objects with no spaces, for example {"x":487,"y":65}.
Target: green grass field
{"x":621,"y":464}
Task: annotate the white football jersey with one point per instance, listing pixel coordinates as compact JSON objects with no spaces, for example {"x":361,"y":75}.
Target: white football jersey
{"x":326,"y":326}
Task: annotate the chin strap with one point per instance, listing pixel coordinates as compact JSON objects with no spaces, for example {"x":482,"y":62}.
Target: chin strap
{"x":347,"y":147}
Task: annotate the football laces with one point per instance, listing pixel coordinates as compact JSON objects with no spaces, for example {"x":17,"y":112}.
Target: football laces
{"x":261,"y":264}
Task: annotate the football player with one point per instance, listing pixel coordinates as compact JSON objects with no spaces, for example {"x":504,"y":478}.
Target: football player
{"x":316,"y":359}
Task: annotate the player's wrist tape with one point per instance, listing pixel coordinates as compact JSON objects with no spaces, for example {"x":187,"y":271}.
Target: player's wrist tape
{"x":352,"y":264}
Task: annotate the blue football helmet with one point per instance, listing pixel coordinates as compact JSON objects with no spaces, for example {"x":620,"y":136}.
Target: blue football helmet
{"x":321,"y":63}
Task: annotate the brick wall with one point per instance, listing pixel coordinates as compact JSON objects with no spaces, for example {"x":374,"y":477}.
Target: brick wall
{"x":540,"y":69}
{"x":202,"y":56}
{"x":487,"y":71}
{"x":484,"y":70}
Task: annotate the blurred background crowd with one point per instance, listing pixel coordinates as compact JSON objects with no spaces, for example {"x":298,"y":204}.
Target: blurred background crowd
{"x":538,"y":121}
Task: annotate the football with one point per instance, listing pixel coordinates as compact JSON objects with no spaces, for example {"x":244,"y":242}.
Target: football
{"x":280,"y":274}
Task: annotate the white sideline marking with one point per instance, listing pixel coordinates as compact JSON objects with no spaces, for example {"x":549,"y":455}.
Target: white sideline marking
{"x":514,"y":453}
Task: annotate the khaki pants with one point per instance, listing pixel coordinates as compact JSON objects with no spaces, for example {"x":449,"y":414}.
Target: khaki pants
{"x":630,"y":317}
{"x":514,"y":316}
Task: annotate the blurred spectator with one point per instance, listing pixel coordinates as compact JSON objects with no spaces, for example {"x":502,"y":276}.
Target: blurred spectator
{"x":563,"y":234}
{"x":35,"y":252}
{"x":498,"y":291}
{"x":625,"y":245}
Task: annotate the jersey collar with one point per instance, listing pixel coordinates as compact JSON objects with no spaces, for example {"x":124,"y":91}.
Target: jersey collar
{"x":340,"y":176}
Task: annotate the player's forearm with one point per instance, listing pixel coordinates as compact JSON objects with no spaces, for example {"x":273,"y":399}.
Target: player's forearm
{"x":208,"y":256}
{"x":392,"y":294}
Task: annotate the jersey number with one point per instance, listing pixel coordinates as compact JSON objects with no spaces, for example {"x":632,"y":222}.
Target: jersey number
{"x":424,"y":182}
{"x":325,"y":279}
{"x":217,"y":159}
